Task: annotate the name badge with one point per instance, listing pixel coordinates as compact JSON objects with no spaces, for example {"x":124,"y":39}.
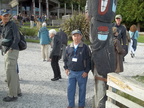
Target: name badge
{"x":74,"y":59}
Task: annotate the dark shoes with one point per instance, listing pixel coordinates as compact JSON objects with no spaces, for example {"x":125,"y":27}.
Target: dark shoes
{"x":57,"y":78}
{"x":20,"y":94}
{"x":9,"y":99}
{"x":54,"y":79}
{"x":60,"y":77}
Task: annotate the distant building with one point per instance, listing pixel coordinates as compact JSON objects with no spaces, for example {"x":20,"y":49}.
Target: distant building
{"x":50,"y":8}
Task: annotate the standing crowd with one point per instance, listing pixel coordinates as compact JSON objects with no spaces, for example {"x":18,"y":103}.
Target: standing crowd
{"x":76,"y":56}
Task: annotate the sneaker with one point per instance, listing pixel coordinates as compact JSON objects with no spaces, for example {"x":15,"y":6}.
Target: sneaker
{"x":9,"y":99}
{"x":132,"y":55}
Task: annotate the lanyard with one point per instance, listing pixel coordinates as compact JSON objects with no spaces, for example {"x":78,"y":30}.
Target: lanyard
{"x":75,"y":49}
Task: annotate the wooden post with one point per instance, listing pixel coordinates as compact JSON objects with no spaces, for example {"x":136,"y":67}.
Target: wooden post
{"x":58,"y":13}
{"x":72,"y":8}
{"x":33,"y":4}
{"x":79,"y":8}
{"x":65,"y":8}
{"x":47,"y":8}
{"x":40,"y":8}
{"x":17,"y":9}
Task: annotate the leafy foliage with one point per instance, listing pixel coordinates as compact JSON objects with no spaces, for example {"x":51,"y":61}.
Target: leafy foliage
{"x":77,"y":22}
{"x":132,"y":11}
{"x":29,"y":31}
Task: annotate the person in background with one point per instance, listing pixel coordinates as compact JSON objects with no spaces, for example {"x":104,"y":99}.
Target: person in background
{"x":122,"y":33}
{"x":64,"y":41}
{"x":77,"y":64}
{"x":11,"y":51}
{"x":20,"y":19}
{"x":45,"y":41}
{"x":32,"y":19}
{"x":119,"y":51}
{"x":55,"y":54}
{"x":134,"y":34}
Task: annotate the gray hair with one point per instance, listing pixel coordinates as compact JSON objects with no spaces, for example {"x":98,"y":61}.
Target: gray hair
{"x":52,"y":31}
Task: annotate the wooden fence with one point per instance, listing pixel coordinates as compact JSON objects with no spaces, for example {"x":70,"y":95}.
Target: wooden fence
{"x":133,"y":88}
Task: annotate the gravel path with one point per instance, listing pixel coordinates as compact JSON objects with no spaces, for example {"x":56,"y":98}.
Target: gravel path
{"x":38,"y":89}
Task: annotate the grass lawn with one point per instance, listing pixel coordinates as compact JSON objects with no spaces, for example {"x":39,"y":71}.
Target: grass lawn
{"x":139,"y":78}
{"x":31,"y":40}
{"x":141,"y":39}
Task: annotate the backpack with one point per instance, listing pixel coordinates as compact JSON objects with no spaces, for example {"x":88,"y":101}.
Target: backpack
{"x":22,"y":43}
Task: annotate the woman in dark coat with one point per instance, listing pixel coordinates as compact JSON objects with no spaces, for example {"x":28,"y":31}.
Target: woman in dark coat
{"x":119,"y":51}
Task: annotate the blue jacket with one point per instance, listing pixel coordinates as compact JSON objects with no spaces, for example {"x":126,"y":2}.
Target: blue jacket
{"x":83,"y":56}
{"x":136,"y":34}
{"x":43,"y":34}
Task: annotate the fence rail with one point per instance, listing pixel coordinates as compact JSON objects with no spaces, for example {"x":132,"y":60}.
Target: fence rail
{"x":133,"y":88}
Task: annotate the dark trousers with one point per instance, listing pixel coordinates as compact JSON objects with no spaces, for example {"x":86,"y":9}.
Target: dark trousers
{"x":55,"y":66}
{"x":125,"y":47}
{"x":134,"y":44}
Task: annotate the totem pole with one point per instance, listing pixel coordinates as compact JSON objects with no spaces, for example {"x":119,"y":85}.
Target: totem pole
{"x":101,"y":13}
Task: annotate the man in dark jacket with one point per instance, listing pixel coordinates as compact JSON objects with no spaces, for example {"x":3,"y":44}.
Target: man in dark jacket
{"x":55,"y":54}
{"x":64,"y":41}
{"x":77,"y":64}
{"x":10,"y":40}
{"x":122,"y":33}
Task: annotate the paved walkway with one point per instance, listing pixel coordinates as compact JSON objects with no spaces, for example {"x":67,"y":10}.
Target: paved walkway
{"x":40,"y":92}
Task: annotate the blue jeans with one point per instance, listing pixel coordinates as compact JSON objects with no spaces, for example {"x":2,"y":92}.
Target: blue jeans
{"x":74,"y":77}
{"x":134,"y":44}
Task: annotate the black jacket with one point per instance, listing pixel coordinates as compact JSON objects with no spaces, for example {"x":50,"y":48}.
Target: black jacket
{"x":56,"y":47}
{"x":10,"y":31}
{"x":63,"y":36}
{"x":122,"y":34}
{"x":83,"y":56}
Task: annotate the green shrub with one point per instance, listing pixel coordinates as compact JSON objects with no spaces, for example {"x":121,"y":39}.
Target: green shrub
{"x":77,"y":21}
{"x":29,"y":31}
